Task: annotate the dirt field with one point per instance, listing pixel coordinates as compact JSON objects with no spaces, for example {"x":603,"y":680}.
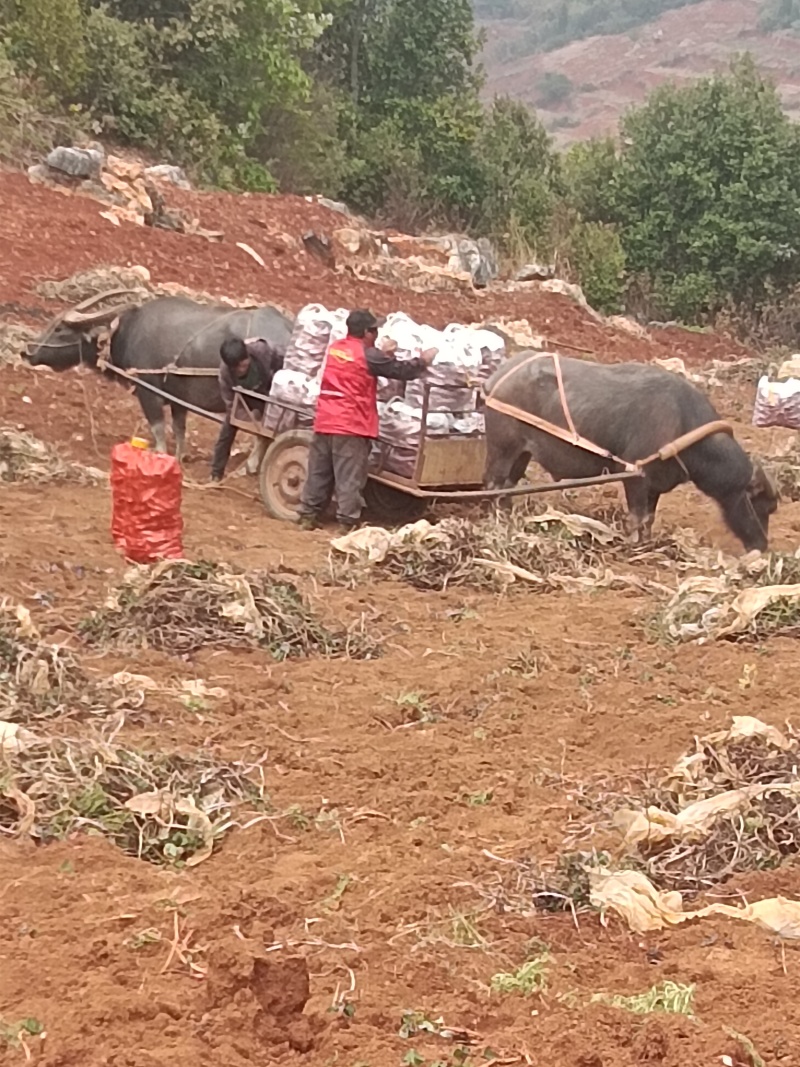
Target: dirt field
{"x":369,"y":884}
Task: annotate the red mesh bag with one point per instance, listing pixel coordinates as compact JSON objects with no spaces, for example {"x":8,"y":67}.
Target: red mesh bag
{"x":146,"y":520}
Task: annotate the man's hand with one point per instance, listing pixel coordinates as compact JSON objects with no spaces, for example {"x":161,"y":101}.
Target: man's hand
{"x":429,"y":355}
{"x":387,"y":345}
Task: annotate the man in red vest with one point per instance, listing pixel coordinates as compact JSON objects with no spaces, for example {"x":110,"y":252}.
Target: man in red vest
{"x":346,"y":421}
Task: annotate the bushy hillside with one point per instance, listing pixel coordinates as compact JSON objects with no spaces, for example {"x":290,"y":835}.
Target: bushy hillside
{"x":550,"y":24}
{"x":544,"y":53}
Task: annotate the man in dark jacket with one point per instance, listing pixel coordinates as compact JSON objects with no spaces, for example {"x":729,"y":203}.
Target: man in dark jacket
{"x":251,"y":365}
{"x":346,"y":421}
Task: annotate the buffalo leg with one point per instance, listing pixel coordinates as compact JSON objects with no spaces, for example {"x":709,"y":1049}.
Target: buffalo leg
{"x":652,"y":504}
{"x":179,"y":430}
{"x":640,"y":519}
{"x":154,"y":413}
{"x":503,"y":471}
{"x":518,"y":468}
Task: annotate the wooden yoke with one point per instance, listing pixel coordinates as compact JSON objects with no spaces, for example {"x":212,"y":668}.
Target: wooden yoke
{"x":680,"y":444}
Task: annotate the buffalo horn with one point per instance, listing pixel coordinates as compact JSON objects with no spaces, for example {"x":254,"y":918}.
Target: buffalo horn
{"x":83,"y":320}
{"x":763,"y":482}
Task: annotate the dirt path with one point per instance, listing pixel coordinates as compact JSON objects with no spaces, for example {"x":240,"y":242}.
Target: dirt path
{"x":374,"y":880}
{"x":396,"y":821}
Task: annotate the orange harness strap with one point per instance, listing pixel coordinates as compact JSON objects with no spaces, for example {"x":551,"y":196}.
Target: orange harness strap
{"x":571,"y":436}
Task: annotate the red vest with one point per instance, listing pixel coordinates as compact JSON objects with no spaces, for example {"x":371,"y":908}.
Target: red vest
{"x":348,"y":395}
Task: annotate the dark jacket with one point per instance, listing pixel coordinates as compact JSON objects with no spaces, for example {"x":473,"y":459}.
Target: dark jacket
{"x":382,"y":365}
{"x":265,"y":361}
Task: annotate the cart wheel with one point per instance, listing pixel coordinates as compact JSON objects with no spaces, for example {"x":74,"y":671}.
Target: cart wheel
{"x":392,"y":504}
{"x":283,"y":473}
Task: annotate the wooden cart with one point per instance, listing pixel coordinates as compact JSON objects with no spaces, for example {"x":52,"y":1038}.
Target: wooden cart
{"x":441,"y":468}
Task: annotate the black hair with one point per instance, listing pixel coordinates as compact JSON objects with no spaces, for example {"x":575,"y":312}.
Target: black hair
{"x":360,"y":322}
{"x":233,"y":351}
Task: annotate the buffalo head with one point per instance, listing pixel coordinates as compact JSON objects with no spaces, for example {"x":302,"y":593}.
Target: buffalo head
{"x":747,"y":513}
{"x":63,"y":348}
{"x":74,"y":336}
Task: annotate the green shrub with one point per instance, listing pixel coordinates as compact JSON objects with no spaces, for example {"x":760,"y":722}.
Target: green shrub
{"x":553,"y":88}
{"x":48,"y":36}
{"x":596,"y":257}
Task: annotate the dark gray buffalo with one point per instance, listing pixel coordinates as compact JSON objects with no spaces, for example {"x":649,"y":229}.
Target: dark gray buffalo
{"x":632,"y":411}
{"x":165,"y":331}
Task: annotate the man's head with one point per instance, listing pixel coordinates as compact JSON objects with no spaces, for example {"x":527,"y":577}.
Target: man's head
{"x":233,"y":354}
{"x":363,"y":324}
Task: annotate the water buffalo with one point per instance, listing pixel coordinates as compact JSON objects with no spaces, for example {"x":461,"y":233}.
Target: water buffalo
{"x":165,"y":330}
{"x":631,"y":410}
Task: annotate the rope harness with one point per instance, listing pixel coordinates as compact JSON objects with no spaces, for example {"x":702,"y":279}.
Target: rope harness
{"x":672,"y":450}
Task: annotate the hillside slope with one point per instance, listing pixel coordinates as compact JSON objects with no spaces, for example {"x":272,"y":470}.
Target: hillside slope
{"x":609,"y":74}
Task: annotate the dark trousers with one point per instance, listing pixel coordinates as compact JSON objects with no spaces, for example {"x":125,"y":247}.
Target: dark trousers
{"x":337,"y":462}
{"x":227,"y":435}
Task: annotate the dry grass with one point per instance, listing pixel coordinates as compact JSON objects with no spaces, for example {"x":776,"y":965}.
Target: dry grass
{"x":160,"y":808}
{"x":14,"y":340}
{"x":39,"y":680}
{"x":552,"y":550}
{"x":672,"y":998}
{"x":88,"y":283}
{"x":24,"y":458}
{"x":761,"y":834}
{"x":786,"y":471}
{"x":706,"y":611}
{"x":180,"y":608}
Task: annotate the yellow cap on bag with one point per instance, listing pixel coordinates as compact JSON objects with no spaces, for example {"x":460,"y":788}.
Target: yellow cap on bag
{"x":139,"y":442}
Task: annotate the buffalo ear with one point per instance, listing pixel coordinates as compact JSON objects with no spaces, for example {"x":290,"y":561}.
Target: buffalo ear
{"x":761,"y":484}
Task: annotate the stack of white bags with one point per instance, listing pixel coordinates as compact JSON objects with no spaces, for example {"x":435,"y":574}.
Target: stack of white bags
{"x":466,"y":357}
{"x":777,"y":403}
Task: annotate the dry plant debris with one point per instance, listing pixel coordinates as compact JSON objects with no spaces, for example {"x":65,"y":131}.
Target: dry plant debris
{"x":743,"y":371}
{"x":550,"y":550}
{"x":670,"y":997}
{"x":729,"y":806}
{"x":14,"y":340}
{"x":732,"y":805}
{"x":179,"y":607}
{"x":39,"y":680}
{"x":786,"y":470}
{"x":159,"y":808}
{"x":86,"y":284}
{"x":751,"y":599}
{"x":24,"y":458}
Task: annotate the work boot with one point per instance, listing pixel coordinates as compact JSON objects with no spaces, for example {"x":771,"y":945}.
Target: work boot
{"x":308,"y":522}
{"x":346,"y":528}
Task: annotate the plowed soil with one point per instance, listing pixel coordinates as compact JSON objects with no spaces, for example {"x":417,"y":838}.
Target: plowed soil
{"x":372,"y":880}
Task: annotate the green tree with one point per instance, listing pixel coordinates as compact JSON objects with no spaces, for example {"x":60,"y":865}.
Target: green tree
{"x":708,"y":192}
{"x":49,"y":36}
{"x":596,"y":257}
{"x":406,"y":72}
{"x":196,"y":78}
{"x":420,"y":50}
{"x":520,"y":176}
{"x":553,"y":88}
{"x":589,"y":171}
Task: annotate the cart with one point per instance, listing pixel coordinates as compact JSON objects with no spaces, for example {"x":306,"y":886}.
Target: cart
{"x":447,"y":468}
